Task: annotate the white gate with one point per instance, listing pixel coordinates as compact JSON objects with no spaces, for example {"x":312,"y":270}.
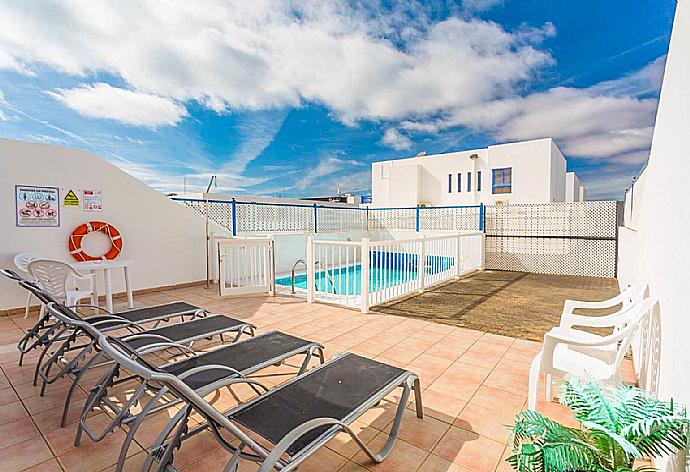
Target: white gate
{"x":246,"y":265}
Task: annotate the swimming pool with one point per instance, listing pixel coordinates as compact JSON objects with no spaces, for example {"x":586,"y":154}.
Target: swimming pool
{"x":386,"y":270}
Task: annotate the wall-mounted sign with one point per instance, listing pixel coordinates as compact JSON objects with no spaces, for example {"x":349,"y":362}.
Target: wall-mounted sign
{"x":71,"y":199}
{"x":37,"y":206}
{"x":93,"y":200}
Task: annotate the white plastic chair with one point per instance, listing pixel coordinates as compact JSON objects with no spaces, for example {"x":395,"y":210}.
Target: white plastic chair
{"x":626,"y":298}
{"x":629,"y":297}
{"x":54,"y":276}
{"x":21,"y":261}
{"x":598,"y":357}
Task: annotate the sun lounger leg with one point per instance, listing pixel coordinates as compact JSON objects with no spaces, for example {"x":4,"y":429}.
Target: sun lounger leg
{"x":135,"y":426}
{"x":73,"y":388}
{"x":93,"y":399}
{"x":158,"y":450}
{"x":419,"y":406}
{"x":39,"y":362}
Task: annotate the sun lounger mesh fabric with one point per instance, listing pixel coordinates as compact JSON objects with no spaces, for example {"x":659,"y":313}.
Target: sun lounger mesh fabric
{"x":240,"y":356}
{"x":158,"y":311}
{"x":332,"y":391}
{"x":188,"y":331}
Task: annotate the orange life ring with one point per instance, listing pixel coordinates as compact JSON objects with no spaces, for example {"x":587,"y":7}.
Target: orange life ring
{"x":78,"y":234}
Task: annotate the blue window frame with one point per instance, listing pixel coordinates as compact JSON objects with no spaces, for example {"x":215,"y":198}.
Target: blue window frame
{"x":479,"y":181}
{"x":502,"y":180}
{"x":469,"y":181}
{"x":459,"y":182}
{"x":450,"y":183}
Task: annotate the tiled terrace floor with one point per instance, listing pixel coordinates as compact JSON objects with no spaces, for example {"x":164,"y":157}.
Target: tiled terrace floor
{"x":474,"y":383}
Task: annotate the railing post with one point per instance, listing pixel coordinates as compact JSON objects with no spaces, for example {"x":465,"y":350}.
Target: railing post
{"x":421,"y":264}
{"x":367,"y":217}
{"x":458,"y":256}
{"x":481,"y":217}
{"x":482,"y":251}
{"x":233,"y":217}
{"x":416,"y":224}
{"x":316,"y":219}
{"x":310,"y":269}
{"x":364,"y":273}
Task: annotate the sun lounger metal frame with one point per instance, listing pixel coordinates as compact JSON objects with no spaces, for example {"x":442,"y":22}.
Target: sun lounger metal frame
{"x":62,"y":332}
{"x":249,"y":449}
{"x":42,"y":333}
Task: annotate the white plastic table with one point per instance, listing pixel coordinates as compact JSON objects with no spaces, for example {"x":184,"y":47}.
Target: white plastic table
{"x":106,"y":267}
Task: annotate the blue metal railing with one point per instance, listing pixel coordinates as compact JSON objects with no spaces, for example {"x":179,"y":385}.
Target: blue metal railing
{"x":233,"y":207}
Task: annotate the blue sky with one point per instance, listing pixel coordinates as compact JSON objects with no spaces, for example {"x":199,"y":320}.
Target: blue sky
{"x":298,"y":98}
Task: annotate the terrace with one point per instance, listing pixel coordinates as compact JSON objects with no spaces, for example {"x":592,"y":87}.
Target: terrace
{"x":473,"y":384}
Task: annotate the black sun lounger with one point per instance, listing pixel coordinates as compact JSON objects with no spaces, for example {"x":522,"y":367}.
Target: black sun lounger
{"x":43,"y":330}
{"x":203,"y":373}
{"x":297,"y":417}
{"x":70,"y":328}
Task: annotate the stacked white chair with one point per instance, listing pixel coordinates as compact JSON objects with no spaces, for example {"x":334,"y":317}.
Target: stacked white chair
{"x":569,"y":351}
{"x":54,"y":277}
{"x":21,"y":261}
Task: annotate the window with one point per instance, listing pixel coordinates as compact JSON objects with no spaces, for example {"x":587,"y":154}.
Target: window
{"x":479,"y":181}
{"x":450,"y":183}
{"x":469,"y":181}
{"x":459,"y":182}
{"x":502,"y":181}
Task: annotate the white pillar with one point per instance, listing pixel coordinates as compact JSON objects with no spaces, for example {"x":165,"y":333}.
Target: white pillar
{"x":310,"y":269}
{"x":364,"y":273}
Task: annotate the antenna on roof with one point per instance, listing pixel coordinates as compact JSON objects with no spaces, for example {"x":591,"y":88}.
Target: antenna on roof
{"x":213,"y":181}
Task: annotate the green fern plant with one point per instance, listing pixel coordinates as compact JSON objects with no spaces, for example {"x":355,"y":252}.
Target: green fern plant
{"x":619,"y":424}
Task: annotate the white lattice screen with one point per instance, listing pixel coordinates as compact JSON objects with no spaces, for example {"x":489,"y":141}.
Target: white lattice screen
{"x":558,"y":238}
{"x":393,"y":219}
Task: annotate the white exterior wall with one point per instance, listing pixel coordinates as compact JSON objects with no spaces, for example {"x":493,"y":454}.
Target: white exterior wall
{"x":557,"y":180}
{"x":538,"y":174}
{"x":165,"y":240}
{"x":574,"y":191}
{"x":654,"y":247}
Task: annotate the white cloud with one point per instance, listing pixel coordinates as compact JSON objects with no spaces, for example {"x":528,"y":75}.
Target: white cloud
{"x":394,"y":139}
{"x":274,"y":54}
{"x":473,"y":6}
{"x":256,"y":132}
{"x":7,"y":62}
{"x":126,"y":106}
{"x":644,"y":81}
{"x":609,"y":144}
{"x":599,"y":121}
{"x":315,"y":177}
{"x":326,"y":166}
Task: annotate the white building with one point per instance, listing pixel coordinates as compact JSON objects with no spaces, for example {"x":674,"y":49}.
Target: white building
{"x":574,"y":190}
{"x":524,"y":172}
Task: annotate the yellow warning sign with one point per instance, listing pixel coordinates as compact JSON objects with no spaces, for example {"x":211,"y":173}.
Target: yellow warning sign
{"x":71,"y":199}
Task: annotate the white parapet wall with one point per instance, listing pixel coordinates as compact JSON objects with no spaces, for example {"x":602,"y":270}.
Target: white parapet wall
{"x":654,"y":245}
{"x":164,"y":239}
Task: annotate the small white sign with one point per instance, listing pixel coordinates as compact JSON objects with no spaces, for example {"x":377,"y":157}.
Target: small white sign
{"x":93,"y":200}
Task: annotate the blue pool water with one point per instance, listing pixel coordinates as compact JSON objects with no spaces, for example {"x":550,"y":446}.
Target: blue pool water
{"x":347,"y":280}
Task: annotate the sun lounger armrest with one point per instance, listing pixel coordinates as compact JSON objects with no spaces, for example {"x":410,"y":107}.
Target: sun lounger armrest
{"x":163,"y":345}
{"x":277,"y":452}
{"x":121,"y":323}
{"x":95,"y":307}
